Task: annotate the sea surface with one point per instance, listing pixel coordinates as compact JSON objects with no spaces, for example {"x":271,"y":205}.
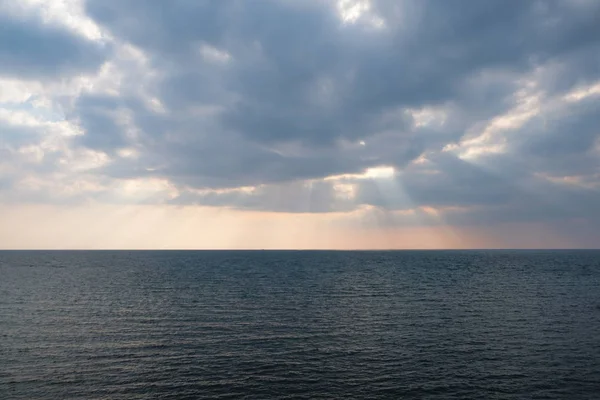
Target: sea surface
{"x":300,"y":325}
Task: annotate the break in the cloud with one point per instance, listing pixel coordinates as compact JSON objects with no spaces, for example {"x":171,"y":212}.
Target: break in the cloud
{"x":385,"y":113}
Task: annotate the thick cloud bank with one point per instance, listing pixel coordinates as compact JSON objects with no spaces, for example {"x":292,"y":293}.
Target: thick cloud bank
{"x":427,"y":111}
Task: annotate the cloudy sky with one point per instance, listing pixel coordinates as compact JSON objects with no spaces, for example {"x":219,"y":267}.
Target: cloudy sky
{"x":299,"y":124}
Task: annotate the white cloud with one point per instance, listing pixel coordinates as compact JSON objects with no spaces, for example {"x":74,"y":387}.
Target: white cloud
{"x":67,"y":13}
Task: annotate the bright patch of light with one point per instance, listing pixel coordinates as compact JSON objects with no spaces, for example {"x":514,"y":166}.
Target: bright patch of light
{"x":511,"y":121}
{"x":380,"y":172}
{"x":370,"y":173}
{"x":351,"y":10}
{"x":581,"y":93}
{"x":68,"y":13}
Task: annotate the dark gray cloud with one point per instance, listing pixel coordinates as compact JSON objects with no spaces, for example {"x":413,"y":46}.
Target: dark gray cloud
{"x":99,"y":115}
{"x":32,"y":49}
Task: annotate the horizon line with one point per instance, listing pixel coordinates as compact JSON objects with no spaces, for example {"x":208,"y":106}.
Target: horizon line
{"x":313,"y":249}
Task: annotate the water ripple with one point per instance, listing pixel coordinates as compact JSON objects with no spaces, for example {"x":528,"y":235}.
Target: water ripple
{"x":299,"y":325}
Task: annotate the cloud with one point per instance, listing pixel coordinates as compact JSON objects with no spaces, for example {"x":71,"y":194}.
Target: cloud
{"x":32,"y":49}
{"x":485,"y":113}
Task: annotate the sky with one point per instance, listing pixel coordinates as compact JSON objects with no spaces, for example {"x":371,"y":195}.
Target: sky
{"x":348,"y":124}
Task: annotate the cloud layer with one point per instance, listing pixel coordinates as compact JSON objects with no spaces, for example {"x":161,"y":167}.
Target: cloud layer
{"x":415,"y":112}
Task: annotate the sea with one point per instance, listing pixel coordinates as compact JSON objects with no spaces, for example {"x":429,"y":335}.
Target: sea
{"x":492,"y":324}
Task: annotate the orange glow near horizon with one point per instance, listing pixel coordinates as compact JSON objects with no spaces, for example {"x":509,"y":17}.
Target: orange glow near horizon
{"x":169,"y":227}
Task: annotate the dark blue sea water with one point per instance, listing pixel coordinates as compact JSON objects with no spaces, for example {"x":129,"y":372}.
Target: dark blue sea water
{"x":300,"y":325}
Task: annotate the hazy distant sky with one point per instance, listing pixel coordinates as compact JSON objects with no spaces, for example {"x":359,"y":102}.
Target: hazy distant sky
{"x":299,"y":124}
